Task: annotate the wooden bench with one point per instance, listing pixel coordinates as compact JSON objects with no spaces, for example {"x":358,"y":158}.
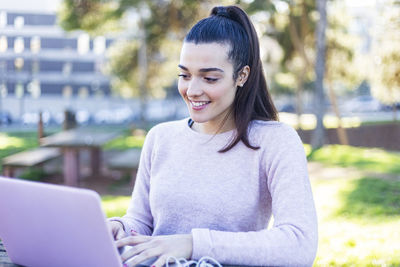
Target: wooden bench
{"x":126,"y":161}
{"x":29,"y":158}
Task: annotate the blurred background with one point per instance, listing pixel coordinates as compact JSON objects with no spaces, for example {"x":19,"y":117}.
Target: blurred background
{"x":333,"y":68}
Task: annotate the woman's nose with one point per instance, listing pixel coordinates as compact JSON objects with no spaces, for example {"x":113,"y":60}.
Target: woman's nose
{"x":194,"y":88}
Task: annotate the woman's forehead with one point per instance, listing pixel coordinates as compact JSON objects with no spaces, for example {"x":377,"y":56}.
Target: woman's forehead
{"x":205,"y":55}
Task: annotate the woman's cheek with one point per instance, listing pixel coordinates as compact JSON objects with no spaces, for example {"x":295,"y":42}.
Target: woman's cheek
{"x":182,"y":89}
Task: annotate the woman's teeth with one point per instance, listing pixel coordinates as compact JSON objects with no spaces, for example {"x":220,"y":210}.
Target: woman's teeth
{"x":198,"y":104}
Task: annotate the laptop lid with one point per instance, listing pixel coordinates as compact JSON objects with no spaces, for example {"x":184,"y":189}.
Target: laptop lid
{"x":52,"y":225}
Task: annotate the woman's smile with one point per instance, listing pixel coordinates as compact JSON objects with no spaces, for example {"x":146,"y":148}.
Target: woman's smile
{"x":199,"y":105}
{"x":206,"y":84}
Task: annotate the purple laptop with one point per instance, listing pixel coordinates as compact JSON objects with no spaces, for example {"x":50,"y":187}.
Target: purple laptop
{"x":50,"y":225}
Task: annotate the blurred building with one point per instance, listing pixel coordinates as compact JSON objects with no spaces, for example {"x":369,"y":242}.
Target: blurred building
{"x":38,"y":58}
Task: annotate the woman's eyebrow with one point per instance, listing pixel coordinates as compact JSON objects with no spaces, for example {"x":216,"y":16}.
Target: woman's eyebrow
{"x":202,"y":70}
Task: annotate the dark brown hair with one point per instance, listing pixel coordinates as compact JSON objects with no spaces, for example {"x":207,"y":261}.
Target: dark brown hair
{"x":231,"y":25}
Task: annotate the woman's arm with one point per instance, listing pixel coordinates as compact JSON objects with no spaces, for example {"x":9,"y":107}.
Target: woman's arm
{"x":292,"y":241}
{"x":138,"y":217}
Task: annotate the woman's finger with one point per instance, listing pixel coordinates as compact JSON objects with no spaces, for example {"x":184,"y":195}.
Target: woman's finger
{"x":133,"y":251}
{"x":120,"y":234}
{"x":132,"y":240}
{"x":160,"y":261}
{"x":146,"y":255}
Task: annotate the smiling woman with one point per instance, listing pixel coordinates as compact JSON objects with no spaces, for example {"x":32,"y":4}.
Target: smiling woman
{"x":208,"y":185}
{"x":207,"y":86}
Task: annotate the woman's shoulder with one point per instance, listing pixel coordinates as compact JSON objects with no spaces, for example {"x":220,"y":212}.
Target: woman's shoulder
{"x":168,"y":128}
{"x":271,"y":126}
{"x":272,"y":131}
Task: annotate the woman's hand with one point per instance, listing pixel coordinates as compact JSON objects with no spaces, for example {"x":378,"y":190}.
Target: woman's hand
{"x":117,"y":229}
{"x":162,"y":247}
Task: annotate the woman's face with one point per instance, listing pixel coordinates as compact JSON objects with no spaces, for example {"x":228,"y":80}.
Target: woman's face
{"x":207,"y":86}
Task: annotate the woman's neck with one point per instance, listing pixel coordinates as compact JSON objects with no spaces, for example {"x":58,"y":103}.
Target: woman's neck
{"x":209,"y":128}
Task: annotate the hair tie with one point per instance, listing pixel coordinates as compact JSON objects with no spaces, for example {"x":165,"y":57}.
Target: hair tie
{"x":222,"y":12}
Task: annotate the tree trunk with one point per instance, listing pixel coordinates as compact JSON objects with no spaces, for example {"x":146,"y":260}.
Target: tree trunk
{"x":299,"y":96}
{"x":341,"y":131}
{"x":317,"y":140}
{"x":142,"y":62}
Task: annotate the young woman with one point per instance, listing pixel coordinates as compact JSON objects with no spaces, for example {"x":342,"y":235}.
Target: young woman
{"x":209,"y":185}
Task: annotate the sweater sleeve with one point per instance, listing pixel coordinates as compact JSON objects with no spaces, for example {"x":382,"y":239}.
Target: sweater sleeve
{"x":292,"y":241}
{"x":138,"y":216}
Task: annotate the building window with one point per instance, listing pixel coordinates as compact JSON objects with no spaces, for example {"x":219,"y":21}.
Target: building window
{"x":19,"y":22}
{"x":19,"y":63}
{"x":98,"y":66}
{"x":3,"y":19}
{"x":99,"y":45}
{"x":83,"y":43}
{"x":67,"y":68}
{"x":35,"y":44}
{"x":67,"y":91}
{"x":3,"y":90}
{"x":19,"y":90}
{"x":34,"y":88}
{"x":35,"y":66}
{"x":3,"y":44}
{"x":83,"y":92}
{"x":19,"y":45}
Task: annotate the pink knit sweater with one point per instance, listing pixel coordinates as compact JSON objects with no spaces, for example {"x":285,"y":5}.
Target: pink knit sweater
{"x":226,"y":200}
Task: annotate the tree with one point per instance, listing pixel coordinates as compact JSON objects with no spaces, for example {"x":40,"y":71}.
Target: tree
{"x":292,"y":24}
{"x":318,"y":134}
{"x":385,"y":77}
{"x":340,"y":70}
{"x":140,"y":62}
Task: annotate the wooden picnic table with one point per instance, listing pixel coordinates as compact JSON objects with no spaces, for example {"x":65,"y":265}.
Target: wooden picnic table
{"x":71,"y":142}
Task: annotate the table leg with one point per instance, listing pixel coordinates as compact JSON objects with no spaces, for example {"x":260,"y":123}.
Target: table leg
{"x":71,"y":166}
{"x":8,"y":171}
{"x":95,"y":157}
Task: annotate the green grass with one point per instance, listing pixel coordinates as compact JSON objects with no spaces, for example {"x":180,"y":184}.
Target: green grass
{"x":371,"y":198}
{"x":125,"y":141}
{"x":14,"y":142}
{"x":365,"y":159}
{"x":359,"y":217}
{"x":115,"y":206}
{"x":359,"y":222}
{"x":379,"y":122}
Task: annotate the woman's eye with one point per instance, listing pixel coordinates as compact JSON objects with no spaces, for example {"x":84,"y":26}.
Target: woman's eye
{"x":208,"y":79}
{"x":184,"y":76}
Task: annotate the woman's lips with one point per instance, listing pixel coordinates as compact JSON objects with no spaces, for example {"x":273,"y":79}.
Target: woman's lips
{"x":199,"y":105}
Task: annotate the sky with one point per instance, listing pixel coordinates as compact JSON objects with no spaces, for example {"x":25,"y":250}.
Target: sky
{"x":30,"y":5}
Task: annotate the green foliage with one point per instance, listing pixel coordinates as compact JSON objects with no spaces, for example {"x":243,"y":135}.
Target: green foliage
{"x":126,"y":142}
{"x":94,"y":16}
{"x":14,"y":142}
{"x":368,"y":159}
{"x":341,"y":66}
{"x":115,"y":206}
{"x":166,"y":22}
{"x":122,"y":64}
{"x":385,"y":76}
{"x":371,"y":198}
{"x":33,"y":174}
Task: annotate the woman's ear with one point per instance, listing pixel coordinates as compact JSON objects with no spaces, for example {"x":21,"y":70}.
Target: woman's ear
{"x":243,"y":76}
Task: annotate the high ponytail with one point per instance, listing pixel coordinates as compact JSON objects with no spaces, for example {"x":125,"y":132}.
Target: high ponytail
{"x":231,"y":25}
